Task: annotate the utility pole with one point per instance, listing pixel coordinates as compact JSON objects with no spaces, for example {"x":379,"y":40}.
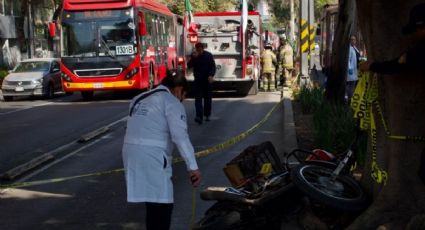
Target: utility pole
{"x":304,"y":43}
{"x":312,"y":29}
{"x":291,"y":21}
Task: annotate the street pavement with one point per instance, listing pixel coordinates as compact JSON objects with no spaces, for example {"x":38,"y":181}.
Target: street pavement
{"x":289,"y":143}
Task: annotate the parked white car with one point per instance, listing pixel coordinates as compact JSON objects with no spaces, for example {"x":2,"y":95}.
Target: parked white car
{"x":33,"y":77}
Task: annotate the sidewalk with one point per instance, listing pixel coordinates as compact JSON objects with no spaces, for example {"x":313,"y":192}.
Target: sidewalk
{"x":290,"y":142}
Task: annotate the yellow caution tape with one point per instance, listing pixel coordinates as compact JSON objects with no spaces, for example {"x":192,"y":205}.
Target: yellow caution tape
{"x":365,"y":94}
{"x":199,"y":154}
{"x":378,"y":174}
{"x":364,"y":99}
{"x":234,"y":139}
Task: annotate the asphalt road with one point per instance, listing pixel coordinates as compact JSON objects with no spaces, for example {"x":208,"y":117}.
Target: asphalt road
{"x":99,"y":202}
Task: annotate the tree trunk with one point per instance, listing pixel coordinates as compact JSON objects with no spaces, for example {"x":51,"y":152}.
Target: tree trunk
{"x":335,"y":90}
{"x":402,"y":98}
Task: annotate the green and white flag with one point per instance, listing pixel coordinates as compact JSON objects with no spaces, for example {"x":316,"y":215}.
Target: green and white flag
{"x":188,"y":16}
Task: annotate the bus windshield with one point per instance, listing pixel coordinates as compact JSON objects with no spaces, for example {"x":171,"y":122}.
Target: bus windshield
{"x":85,"y":35}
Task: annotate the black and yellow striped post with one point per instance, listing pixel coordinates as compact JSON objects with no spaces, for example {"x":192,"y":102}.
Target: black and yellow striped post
{"x":304,"y":36}
{"x":312,"y":36}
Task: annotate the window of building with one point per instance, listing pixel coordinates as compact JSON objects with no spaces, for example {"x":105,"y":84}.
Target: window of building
{"x":8,"y":7}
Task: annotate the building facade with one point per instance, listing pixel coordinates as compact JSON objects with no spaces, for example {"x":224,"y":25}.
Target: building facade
{"x":24,"y":30}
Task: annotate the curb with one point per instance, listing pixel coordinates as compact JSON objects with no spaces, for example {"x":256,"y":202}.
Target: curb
{"x":289,"y":137}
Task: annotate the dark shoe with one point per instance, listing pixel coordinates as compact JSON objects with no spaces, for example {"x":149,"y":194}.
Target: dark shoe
{"x":207,"y":119}
{"x":198,"y":120}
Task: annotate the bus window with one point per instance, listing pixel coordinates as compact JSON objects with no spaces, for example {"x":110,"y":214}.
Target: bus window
{"x":79,"y":46}
{"x":161,"y":31}
{"x":149,"y":27}
{"x":164,"y":35}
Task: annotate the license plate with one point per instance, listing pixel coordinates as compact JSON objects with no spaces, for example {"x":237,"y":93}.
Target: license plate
{"x":97,"y":85}
{"x":19,"y":89}
{"x":124,"y":50}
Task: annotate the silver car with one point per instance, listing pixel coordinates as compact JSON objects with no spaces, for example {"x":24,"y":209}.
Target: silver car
{"x":33,"y":77}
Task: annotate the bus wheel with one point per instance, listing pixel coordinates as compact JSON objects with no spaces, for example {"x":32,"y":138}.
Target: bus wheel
{"x":87,"y":95}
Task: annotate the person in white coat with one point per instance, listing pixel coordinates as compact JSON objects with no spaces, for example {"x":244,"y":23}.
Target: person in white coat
{"x":352,"y":78}
{"x":157,"y":123}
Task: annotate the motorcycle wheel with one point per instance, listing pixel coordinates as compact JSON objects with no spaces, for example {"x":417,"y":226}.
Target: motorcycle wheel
{"x":344,"y":193}
{"x":218,"y":219}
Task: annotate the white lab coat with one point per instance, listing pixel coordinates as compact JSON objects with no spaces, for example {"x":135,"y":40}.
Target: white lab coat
{"x":157,"y":124}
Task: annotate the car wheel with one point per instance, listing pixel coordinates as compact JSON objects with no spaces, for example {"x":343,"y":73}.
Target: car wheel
{"x":50,"y":92}
{"x":8,"y":98}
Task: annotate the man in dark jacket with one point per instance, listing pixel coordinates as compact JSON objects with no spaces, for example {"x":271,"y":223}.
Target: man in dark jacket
{"x":412,"y":61}
{"x":204,"y":69}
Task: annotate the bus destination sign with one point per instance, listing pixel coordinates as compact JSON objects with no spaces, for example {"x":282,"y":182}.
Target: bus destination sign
{"x":97,"y":14}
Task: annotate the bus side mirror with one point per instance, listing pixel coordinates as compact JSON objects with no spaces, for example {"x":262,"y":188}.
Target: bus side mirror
{"x":52,"y":29}
{"x":142,"y":25}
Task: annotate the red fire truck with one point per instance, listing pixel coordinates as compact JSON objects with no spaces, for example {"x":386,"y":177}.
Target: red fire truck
{"x":238,"y":63}
{"x":115,"y":44}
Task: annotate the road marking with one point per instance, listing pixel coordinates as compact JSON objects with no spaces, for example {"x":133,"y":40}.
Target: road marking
{"x":203,"y":153}
{"x":29,"y":176}
{"x":18,"y":110}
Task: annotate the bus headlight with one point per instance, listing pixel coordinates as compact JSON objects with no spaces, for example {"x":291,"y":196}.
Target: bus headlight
{"x":65,"y":77}
{"x":132,"y":73}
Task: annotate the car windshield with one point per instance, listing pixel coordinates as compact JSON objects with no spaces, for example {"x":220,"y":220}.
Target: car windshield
{"x":32,"y":66}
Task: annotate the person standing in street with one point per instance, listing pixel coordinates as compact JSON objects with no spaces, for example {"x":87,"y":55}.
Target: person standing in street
{"x":285,"y":62}
{"x":268,"y":61}
{"x":157,"y":123}
{"x":353,"y":60}
{"x":203,"y":65}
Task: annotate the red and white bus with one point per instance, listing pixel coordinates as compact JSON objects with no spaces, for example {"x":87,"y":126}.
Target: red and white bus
{"x":115,"y":44}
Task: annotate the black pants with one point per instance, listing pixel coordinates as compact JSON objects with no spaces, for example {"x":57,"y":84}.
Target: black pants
{"x":158,"y":216}
{"x":203,"y":99}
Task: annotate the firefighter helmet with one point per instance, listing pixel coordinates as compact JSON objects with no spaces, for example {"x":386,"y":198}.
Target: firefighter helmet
{"x":268,"y":45}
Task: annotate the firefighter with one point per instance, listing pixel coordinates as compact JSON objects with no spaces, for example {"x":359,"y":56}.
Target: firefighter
{"x":285,"y":61}
{"x":268,"y":63}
